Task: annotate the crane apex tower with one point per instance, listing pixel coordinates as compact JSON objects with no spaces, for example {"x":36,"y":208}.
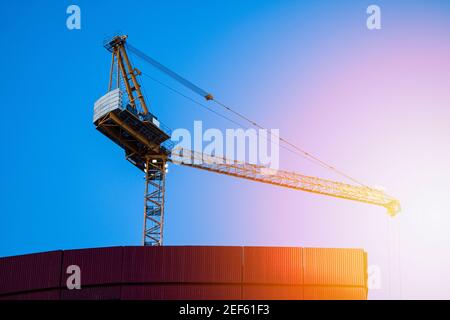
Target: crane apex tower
{"x":126,"y":120}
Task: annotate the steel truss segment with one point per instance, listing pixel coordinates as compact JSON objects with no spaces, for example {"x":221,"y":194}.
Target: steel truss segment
{"x":121,"y":62}
{"x":155,"y":176}
{"x":285,"y":179}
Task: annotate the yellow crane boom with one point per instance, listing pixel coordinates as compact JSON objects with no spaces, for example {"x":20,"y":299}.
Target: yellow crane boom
{"x":285,"y":179}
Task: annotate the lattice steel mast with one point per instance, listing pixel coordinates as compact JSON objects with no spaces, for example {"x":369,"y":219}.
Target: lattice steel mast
{"x":155,"y":188}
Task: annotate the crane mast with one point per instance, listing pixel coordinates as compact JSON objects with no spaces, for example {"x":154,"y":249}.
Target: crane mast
{"x":127,"y":121}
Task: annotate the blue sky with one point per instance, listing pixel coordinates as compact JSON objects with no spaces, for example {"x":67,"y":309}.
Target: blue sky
{"x":66,"y":186}
{"x":63,"y":184}
{"x":298,"y":66}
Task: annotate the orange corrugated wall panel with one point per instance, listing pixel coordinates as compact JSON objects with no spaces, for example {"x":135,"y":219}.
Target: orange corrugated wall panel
{"x":334,"y":267}
{"x":272,"y":265}
{"x":335,"y":293}
{"x":272,"y":292}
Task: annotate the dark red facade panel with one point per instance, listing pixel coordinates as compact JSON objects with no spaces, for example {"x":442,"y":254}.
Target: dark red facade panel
{"x":98,"y":266}
{"x":142,"y":292}
{"x":272,"y":265}
{"x":334,"y":267}
{"x":272,"y":292}
{"x":111,"y":292}
{"x":38,"y":295}
{"x":188,"y":273}
{"x":30,"y":272}
{"x":203,"y":292}
{"x":182,"y":292}
{"x":182,"y":265}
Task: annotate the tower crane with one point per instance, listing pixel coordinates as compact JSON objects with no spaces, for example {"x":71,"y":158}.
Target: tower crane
{"x":124,"y":117}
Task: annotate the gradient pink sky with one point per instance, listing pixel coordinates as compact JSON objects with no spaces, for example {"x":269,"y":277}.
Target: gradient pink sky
{"x":375,"y":104}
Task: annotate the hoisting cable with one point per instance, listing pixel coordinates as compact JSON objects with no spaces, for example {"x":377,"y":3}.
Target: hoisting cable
{"x":209,"y":97}
{"x":169,"y":72}
{"x":305,"y":153}
{"x":268,"y":139}
{"x":190,"y":99}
